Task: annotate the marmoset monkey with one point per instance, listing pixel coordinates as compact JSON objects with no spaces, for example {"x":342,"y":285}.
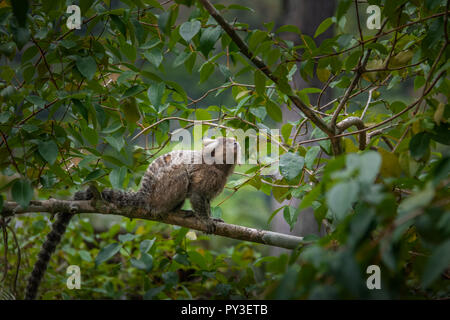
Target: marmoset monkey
{"x":167,"y":183}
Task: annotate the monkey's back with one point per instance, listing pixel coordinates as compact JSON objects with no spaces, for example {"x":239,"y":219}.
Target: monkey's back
{"x":166,"y":181}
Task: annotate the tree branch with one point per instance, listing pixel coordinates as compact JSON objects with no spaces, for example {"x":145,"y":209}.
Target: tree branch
{"x":243,"y":48}
{"x":354,"y":121}
{"x":181,"y":218}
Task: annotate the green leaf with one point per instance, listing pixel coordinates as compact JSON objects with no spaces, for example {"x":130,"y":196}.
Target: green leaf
{"x":198,"y":259}
{"x":107,"y":252}
{"x":153,"y":292}
{"x":189,"y":29}
{"x":286,"y":130}
{"x":164,"y":21}
{"x":117,"y":176}
{"x":146,"y":245}
{"x":323,"y":26}
{"x":126,"y":237}
{"x":91,"y":135}
{"x":341,"y":198}
{"x":81,"y":109}
{"x":94,"y":175}
{"x":436,"y":264}
{"x":274,"y":111}
{"x":208,"y":39}
{"x":86,"y":66}
{"x":170,"y":278}
{"x":419,"y":145}
{"x":289,"y":214}
{"x":260,"y":83}
{"x":202,"y":114}
{"x":291,"y":165}
{"x":22,"y":192}
{"x":154,"y":56}
{"x":205,"y":71}
{"x":134,"y":90}
{"x":147,"y":259}
{"x":144,"y":263}
{"x":369,"y":166}
{"x":274,"y":214}
{"x":48,"y":150}
{"x":116,"y":143}
{"x":352,"y":60}
{"x":120,"y":25}
{"x":181,"y":58}
{"x":155,"y":93}
{"x":311,"y":155}
{"x":85,"y":255}
{"x":20,"y":36}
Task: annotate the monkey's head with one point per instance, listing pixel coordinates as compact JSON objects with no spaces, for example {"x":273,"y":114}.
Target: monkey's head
{"x":222,"y":150}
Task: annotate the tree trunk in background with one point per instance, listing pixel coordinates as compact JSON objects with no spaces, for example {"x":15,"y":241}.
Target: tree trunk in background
{"x":306,"y":15}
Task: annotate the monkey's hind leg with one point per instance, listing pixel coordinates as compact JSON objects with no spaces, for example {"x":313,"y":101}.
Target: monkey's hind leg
{"x":202,"y":210}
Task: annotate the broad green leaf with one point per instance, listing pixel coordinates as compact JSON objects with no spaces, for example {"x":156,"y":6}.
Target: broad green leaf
{"x":116,"y":142}
{"x":260,"y":82}
{"x":198,"y":259}
{"x":419,"y":144}
{"x":323,"y":27}
{"x":436,"y":264}
{"x":48,"y":150}
{"x":202,"y":114}
{"x":22,"y":192}
{"x":120,"y":25}
{"x":164,"y":22}
{"x":91,"y":135}
{"x":291,"y":165}
{"x":86,"y":66}
{"x":170,"y":278}
{"x":144,"y":263}
{"x":155,"y":93}
{"x":286,"y":130}
{"x":205,"y":71}
{"x":341,"y":198}
{"x":274,"y":111}
{"x":132,"y":91}
{"x":208,"y":39}
{"x":126,"y":237}
{"x":154,"y":56}
{"x":369,"y":166}
{"x":311,"y":155}
{"x":146,"y":245}
{"x":117,"y":177}
{"x":107,"y":252}
{"x":85,"y":255}
{"x":290,"y":216}
{"x":189,"y":29}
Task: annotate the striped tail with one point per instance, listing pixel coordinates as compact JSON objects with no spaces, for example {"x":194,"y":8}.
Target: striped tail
{"x":49,"y":246}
